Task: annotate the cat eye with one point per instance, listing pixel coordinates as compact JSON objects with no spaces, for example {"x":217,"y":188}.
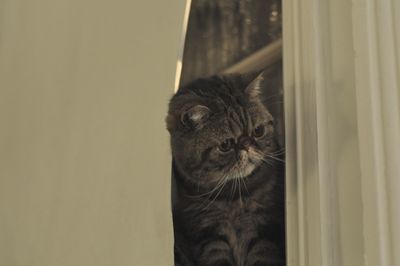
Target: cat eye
{"x":259,"y":131}
{"x":226,"y":145}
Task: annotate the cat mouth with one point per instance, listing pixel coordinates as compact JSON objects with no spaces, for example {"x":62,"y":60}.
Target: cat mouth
{"x":244,"y":166}
{"x":242,"y":171}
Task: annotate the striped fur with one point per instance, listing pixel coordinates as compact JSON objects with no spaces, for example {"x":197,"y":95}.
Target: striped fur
{"x":230,"y":205}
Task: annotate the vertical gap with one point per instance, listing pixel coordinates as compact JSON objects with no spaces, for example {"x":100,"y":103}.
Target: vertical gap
{"x":243,"y":35}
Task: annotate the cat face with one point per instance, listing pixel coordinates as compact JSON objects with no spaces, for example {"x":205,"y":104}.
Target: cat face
{"x":220,"y":130}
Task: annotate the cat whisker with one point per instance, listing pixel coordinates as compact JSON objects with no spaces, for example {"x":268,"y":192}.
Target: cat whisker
{"x":270,"y":156}
{"x":232,"y":195}
{"x":275,"y":158}
{"x":267,"y":161}
{"x":240,"y":192}
{"x":216,"y":196}
{"x":244,"y":184}
{"x":235,"y":182}
{"x":225,"y":179}
{"x":278,"y":152}
{"x":218,"y":188}
{"x":259,"y":156}
{"x":209,"y":192}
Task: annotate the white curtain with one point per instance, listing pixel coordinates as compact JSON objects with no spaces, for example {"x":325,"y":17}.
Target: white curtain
{"x":342,"y":100}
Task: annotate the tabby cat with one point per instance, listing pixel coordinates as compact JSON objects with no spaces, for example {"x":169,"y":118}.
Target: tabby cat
{"x":229,"y":175}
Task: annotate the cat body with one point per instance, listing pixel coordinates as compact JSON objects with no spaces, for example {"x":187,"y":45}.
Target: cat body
{"x":229,"y":175}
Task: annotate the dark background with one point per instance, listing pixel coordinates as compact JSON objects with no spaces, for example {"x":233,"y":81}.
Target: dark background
{"x":222,"y":32}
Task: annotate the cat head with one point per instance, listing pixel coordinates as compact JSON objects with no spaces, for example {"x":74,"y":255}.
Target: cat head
{"x":220,"y":129}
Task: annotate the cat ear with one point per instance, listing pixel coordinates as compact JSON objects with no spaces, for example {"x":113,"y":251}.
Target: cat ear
{"x":195,"y":116}
{"x":253,"y":90}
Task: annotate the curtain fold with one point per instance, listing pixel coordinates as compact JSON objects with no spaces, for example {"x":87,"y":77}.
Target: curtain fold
{"x":342,"y":106}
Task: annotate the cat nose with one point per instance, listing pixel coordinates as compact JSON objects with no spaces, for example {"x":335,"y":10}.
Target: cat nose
{"x":244,"y":143}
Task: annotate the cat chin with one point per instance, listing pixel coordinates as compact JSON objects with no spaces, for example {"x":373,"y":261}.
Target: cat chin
{"x":243,"y":172}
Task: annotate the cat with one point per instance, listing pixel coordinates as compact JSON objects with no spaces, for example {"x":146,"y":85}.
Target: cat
{"x":229,"y":174}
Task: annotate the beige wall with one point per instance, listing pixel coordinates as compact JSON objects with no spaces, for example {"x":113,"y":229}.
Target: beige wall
{"x":84,"y":157}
